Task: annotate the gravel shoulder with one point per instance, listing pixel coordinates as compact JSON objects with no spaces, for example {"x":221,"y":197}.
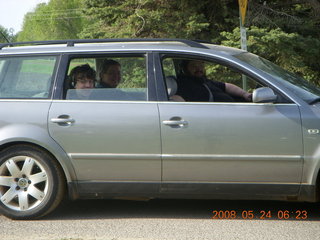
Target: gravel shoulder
{"x":169,"y":219}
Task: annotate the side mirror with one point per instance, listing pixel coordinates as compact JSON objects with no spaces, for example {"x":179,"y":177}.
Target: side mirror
{"x":263,"y":95}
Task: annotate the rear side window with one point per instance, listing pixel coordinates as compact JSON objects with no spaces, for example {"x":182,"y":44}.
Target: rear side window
{"x":107,"y":78}
{"x":26,"y":77}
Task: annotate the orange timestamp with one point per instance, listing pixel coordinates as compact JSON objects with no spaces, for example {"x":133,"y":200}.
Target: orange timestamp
{"x":263,"y":214}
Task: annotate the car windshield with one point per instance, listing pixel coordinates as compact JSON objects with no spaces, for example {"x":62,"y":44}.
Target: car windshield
{"x":299,"y":86}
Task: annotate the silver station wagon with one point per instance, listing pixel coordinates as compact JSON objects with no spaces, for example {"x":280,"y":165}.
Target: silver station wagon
{"x":151,"y":118}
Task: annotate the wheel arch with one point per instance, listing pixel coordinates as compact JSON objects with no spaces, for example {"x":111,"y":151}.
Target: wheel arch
{"x":59,"y":155}
{"x":315,"y":180}
{"x":318,"y":187}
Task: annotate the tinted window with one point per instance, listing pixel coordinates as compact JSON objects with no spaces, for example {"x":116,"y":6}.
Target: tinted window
{"x":26,"y":77}
{"x":175,"y":68}
{"x":115,"y":78}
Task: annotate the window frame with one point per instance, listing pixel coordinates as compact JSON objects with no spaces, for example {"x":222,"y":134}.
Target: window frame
{"x":68,"y":57}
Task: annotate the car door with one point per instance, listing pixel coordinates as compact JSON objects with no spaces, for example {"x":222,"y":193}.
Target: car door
{"x":111,"y":140}
{"x":243,"y":144}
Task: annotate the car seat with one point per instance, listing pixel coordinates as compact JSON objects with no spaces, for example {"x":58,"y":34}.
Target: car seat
{"x":172,"y":86}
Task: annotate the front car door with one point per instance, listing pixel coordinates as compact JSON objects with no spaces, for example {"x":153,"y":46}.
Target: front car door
{"x":242,"y":148}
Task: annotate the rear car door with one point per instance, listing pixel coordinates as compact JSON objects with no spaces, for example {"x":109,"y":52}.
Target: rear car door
{"x":111,"y":140}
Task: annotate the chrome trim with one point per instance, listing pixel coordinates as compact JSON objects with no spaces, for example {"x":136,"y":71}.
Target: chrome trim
{"x":313,"y":131}
{"x":232,"y":157}
{"x":112,"y":156}
{"x":102,"y":101}
{"x":186,"y":182}
{"x":25,"y":100}
{"x":230,"y":103}
{"x":214,"y":157}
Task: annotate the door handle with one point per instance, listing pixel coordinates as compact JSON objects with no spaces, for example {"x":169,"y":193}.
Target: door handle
{"x":63,"y":120}
{"x":175,"y":122}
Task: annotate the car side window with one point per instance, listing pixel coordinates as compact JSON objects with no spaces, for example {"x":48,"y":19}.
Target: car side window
{"x":113,"y":78}
{"x":26,"y":77}
{"x":199,"y":80}
{"x":225,"y":74}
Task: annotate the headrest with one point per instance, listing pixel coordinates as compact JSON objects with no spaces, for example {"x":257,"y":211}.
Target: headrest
{"x":171,"y":85}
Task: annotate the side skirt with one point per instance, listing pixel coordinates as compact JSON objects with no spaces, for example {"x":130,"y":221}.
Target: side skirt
{"x":243,"y":191}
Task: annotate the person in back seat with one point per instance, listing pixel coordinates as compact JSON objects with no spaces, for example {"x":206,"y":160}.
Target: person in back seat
{"x":83,"y":79}
{"x":110,"y":74}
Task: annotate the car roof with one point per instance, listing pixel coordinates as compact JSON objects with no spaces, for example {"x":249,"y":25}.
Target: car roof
{"x":112,"y":45}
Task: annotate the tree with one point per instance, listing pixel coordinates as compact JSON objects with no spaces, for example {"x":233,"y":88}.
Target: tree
{"x":284,"y":31}
{"x":196,"y":19}
{"x":299,"y":16}
{"x":292,"y":51}
{"x":6,"y":35}
{"x":58,"y":19}
{"x":157,"y":18}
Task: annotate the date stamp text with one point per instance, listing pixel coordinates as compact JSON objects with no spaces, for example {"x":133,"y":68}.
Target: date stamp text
{"x":262,"y":214}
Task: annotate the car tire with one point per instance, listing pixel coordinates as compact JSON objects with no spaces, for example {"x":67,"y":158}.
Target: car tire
{"x":31,"y":182}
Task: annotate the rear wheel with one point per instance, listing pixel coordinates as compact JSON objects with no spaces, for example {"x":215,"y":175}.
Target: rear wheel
{"x":31,"y":182}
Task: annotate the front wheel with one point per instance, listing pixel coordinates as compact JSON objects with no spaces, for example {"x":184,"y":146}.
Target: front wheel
{"x":31,"y":182}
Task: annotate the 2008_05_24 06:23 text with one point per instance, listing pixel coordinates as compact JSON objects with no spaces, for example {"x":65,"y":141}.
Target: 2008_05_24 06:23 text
{"x":262,"y":214}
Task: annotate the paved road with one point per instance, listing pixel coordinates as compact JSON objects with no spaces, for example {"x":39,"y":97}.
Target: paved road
{"x":170,"y":219}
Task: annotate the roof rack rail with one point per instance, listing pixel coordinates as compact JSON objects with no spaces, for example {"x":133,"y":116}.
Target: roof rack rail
{"x":202,"y":41}
{"x":71,"y":42}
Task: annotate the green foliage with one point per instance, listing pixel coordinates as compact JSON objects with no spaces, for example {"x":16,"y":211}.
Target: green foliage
{"x":284,"y":31}
{"x":133,"y":72}
{"x":156,"y":18}
{"x":59,"y":19}
{"x":292,"y":51}
{"x":6,"y":35}
{"x":298,"y":16}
